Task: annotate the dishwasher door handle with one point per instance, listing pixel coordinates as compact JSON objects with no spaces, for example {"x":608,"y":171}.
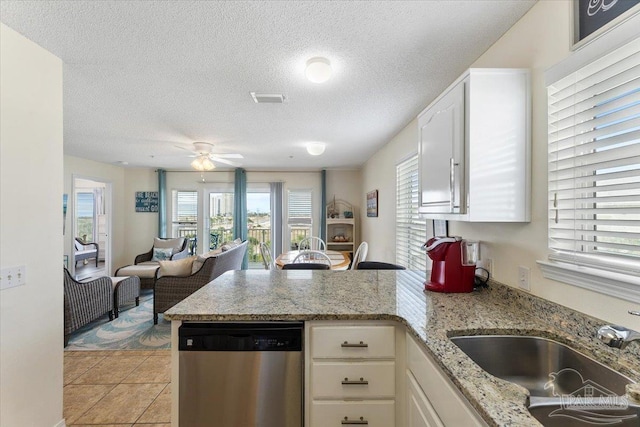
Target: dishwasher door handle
{"x":361,"y":344}
{"x":361,"y":381}
{"x":361,"y":421}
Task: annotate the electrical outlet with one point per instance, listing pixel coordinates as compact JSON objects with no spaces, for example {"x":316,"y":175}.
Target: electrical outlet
{"x":13,"y":276}
{"x":524,"y":276}
{"x":487,"y":264}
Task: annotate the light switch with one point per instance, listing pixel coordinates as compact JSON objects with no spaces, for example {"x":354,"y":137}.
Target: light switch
{"x":11,"y":277}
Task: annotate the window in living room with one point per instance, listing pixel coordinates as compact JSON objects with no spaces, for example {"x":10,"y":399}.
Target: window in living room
{"x":220,"y":211}
{"x":185,"y":216}
{"x":299,"y":216}
{"x":258,"y":221}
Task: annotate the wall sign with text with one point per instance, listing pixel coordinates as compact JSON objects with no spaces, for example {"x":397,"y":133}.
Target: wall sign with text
{"x":592,"y":18}
{"x":147,"y":201}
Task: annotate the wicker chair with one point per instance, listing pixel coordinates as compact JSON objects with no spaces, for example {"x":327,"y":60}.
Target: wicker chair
{"x":146,"y":269}
{"x":170,"y":290}
{"x":85,"y":301}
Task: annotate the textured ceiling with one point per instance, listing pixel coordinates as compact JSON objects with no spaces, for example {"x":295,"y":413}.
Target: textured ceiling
{"x":143,"y":77}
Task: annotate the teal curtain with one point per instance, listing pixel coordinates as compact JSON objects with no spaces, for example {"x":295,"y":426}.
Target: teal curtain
{"x":240,"y":210}
{"x":323,"y":206}
{"x":162,"y":203}
{"x":276,"y":216}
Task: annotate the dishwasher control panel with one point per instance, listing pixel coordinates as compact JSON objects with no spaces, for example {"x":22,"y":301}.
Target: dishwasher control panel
{"x":241,"y":336}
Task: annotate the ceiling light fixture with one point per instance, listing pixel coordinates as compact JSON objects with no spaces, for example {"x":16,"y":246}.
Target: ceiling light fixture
{"x":203,"y":163}
{"x":315,"y":148}
{"x":318,"y":70}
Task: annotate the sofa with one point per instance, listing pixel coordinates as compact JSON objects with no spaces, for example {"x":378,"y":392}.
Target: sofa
{"x":146,"y":265}
{"x":176,"y":280}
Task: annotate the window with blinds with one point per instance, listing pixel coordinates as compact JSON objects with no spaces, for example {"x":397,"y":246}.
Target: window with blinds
{"x":299,"y":215}
{"x":185,"y":213}
{"x":594,"y":163}
{"x":411,"y":230}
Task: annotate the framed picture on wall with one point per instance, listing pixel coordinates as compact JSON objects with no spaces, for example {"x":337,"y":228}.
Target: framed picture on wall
{"x":372,"y":203}
{"x":593,"y":18}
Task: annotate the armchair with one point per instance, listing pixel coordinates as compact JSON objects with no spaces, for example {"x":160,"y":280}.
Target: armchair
{"x":85,"y":250}
{"x":146,"y":265}
{"x":85,"y":302}
{"x":170,"y":290}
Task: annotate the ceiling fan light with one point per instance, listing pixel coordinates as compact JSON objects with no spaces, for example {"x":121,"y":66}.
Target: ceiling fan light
{"x":202,"y":163}
{"x":207,"y":164}
{"x":318,"y":70}
{"x":315,"y":148}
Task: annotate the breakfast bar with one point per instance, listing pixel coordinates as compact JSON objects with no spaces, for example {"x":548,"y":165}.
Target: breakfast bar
{"x":430,"y":319}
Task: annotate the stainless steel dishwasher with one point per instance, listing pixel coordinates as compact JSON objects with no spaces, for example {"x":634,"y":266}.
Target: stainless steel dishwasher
{"x":241,"y":374}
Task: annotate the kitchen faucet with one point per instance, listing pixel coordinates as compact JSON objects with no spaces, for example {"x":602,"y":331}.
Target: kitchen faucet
{"x":618,"y":336}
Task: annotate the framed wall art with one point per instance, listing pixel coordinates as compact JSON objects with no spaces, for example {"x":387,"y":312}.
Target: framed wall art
{"x":592,"y":18}
{"x":372,"y":203}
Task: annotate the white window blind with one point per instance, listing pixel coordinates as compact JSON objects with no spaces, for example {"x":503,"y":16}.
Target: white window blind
{"x":185,"y":206}
{"x":594,"y":163}
{"x":299,"y":207}
{"x":411,"y":230}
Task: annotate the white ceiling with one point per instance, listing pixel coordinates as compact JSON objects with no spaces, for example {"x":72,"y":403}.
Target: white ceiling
{"x":143,"y":77}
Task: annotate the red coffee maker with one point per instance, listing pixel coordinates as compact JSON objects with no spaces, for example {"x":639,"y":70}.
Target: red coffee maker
{"x":454,"y":264}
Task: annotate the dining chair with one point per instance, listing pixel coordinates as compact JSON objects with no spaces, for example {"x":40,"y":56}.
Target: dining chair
{"x":306,"y":266}
{"x":377,"y":265}
{"x":312,"y":243}
{"x":361,"y":255}
{"x":311,"y":256}
{"x":267,"y":259}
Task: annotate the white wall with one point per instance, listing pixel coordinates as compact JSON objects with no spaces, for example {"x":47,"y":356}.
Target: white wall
{"x":31,"y":316}
{"x":379,"y":173}
{"x":541,"y":39}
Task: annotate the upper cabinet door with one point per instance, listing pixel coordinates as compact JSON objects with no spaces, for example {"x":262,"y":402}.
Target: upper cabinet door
{"x":442,"y":154}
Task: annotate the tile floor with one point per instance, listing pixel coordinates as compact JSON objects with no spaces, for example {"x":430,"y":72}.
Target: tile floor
{"x":112,"y":388}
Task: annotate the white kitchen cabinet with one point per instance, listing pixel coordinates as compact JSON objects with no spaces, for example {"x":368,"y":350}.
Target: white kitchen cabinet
{"x":432,"y":399}
{"x":420,"y":413}
{"x":351,"y":378}
{"x":475,"y":149}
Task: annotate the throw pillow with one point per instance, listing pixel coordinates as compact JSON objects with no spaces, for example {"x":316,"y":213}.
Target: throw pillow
{"x":180,"y":268}
{"x":175,"y":243}
{"x":161,"y":254}
{"x":200,"y":259}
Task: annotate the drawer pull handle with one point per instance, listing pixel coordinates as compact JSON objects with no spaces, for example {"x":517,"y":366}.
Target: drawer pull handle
{"x":360,"y":344}
{"x":361,"y":421}
{"x":362,"y":381}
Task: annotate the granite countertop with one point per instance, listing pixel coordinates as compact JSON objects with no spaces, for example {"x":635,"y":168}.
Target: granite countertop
{"x":431,"y":317}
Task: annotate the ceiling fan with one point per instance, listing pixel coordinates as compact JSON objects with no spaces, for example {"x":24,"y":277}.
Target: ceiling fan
{"x":205,"y":158}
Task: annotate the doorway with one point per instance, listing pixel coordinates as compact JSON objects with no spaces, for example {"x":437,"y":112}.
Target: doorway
{"x":91,"y":224}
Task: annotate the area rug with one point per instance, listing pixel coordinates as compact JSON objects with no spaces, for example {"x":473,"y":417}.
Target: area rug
{"x":132,"y":330}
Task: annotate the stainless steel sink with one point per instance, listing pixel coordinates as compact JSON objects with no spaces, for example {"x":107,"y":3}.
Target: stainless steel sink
{"x":560,"y":380}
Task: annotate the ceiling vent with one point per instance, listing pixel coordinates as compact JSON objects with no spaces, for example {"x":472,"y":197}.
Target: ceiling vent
{"x":267,"y":98}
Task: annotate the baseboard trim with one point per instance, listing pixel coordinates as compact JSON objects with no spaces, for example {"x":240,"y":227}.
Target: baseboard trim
{"x":61,"y":423}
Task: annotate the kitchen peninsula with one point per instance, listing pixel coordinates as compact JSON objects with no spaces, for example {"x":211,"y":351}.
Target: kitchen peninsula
{"x":397,"y":297}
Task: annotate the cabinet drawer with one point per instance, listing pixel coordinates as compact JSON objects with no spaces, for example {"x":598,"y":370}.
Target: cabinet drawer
{"x":359,"y":379}
{"x":353,"y":414}
{"x":353,"y":342}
